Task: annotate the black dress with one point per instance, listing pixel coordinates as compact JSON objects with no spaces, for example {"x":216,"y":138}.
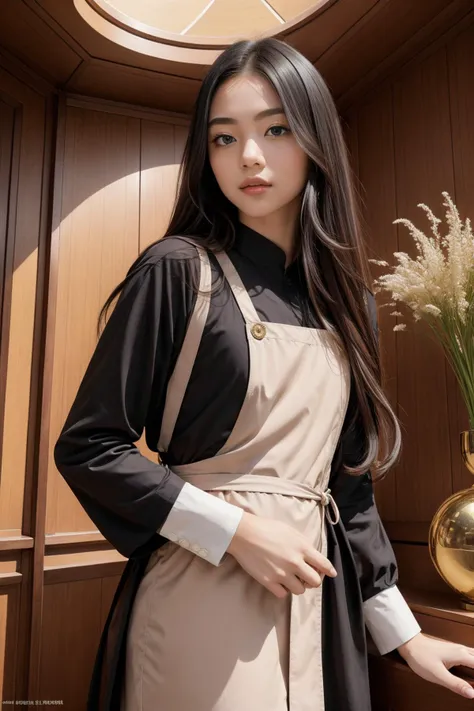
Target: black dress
{"x":128,"y":497}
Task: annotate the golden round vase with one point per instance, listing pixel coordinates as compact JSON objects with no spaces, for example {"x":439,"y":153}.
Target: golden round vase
{"x":451,"y":534}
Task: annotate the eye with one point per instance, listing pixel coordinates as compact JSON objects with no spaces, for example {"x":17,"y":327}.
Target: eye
{"x":223,"y":139}
{"x":277,"y":131}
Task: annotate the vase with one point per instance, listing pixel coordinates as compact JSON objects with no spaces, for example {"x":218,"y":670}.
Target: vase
{"x":451,"y":534}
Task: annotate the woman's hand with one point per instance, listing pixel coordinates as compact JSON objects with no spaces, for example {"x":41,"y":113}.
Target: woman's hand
{"x":431,"y":658}
{"x":278,"y":556}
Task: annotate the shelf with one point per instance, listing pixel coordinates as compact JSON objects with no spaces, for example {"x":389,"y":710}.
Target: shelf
{"x":444,"y":605}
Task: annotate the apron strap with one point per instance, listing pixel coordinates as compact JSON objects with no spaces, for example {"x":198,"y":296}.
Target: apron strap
{"x":179,"y":380}
{"x":238,"y":289}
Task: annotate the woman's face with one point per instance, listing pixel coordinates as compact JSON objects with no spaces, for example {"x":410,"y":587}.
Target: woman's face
{"x":250,"y":141}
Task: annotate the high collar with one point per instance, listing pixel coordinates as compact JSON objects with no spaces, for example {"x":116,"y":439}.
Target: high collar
{"x":260,"y":250}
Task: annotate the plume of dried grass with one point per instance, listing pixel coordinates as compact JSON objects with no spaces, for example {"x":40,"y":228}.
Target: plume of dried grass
{"x":438,"y":287}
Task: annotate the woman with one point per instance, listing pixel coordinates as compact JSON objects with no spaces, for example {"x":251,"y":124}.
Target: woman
{"x":244,"y":343}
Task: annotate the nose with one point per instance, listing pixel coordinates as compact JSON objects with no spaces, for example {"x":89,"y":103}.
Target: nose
{"x":252,"y":154}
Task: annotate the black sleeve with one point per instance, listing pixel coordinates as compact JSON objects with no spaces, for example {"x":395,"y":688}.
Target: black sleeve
{"x":127,"y":496}
{"x":371,"y":548}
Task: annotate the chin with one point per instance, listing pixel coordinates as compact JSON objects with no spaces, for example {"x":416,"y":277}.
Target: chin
{"x":253,"y":208}
{"x":262,"y":212}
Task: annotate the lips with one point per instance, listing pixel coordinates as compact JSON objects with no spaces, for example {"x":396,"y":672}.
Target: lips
{"x":259,"y":189}
{"x":254,"y":183}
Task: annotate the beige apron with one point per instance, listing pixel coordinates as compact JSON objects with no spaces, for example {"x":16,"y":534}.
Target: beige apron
{"x":211,"y":638}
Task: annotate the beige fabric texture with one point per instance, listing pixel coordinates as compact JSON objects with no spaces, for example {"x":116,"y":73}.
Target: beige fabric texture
{"x":211,"y":638}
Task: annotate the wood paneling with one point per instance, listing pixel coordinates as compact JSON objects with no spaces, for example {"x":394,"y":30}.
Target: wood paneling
{"x":115,"y":187}
{"x":424,"y":168}
{"x":19,"y":295}
{"x":376,"y":150}
{"x":395,"y":687}
{"x":98,"y":78}
{"x":72,"y":623}
{"x":35,"y":40}
{"x":27,"y":201}
{"x":161,"y":150}
{"x":397,"y":22}
{"x":416,"y":569}
{"x":9,"y":630}
{"x":7,"y":126}
{"x":410,"y":140}
{"x":409,"y":150}
{"x":460,"y":58}
{"x":118,"y":186}
{"x":98,"y":240}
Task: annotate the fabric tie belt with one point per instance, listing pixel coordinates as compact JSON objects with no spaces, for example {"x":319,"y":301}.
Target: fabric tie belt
{"x":263,"y":484}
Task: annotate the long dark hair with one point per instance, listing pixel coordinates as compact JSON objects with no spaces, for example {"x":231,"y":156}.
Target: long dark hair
{"x":331,"y":251}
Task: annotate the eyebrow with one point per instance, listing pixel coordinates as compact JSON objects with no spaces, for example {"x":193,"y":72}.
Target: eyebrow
{"x":230,"y":121}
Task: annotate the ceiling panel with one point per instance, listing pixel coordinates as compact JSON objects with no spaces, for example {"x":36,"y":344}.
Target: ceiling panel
{"x":168,"y":15}
{"x":80,"y":46}
{"x":289,"y":9}
{"x":231,"y":18}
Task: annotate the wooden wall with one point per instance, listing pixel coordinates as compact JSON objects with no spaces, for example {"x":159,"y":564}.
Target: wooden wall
{"x":74,"y":213}
{"x":115,"y":180}
{"x":26,"y":135}
{"x":84,"y":187}
{"x":410,"y":140}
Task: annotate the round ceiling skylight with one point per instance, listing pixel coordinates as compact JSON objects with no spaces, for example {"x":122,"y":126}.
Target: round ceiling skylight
{"x":205,"y":22}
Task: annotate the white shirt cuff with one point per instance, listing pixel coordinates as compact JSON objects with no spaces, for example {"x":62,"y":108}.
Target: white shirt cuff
{"x":389,"y":620}
{"x":202,"y":522}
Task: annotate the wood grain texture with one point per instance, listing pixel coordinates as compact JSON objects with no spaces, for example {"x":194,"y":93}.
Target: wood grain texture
{"x":460,"y":60}
{"x":98,"y":241}
{"x":410,"y":136}
{"x":359,"y":51}
{"x":8,"y":155}
{"x":416,"y":570}
{"x":33,"y":38}
{"x":377,"y":176}
{"x":70,"y":641}
{"x":20,"y":360}
{"x":161,"y":151}
{"x":117,"y":191}
{"x":9,"y":628}
{"x":20,"y":293}
{"x":424,"y":168}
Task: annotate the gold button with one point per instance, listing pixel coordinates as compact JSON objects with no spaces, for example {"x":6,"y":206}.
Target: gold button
{"x":259,"y":331}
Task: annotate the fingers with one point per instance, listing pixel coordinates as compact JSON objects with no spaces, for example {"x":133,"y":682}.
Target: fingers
{"x":293,"y":584}
{"x":454,"y":683}
{"x":277,"y":590}
{"x":460,"y":656}
{"x":310,"y":576}
{"x":318,"y":561}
